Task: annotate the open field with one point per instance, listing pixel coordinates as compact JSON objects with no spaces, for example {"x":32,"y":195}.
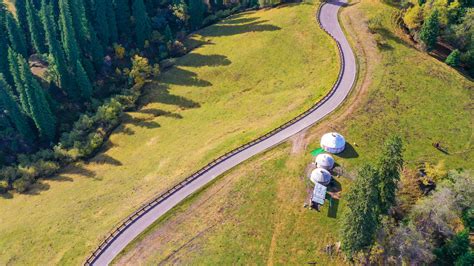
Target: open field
{"x":253,"y":72}
{"x":254,"y":214}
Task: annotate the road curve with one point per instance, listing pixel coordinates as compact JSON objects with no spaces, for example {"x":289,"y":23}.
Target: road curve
{"x":131,"y":228}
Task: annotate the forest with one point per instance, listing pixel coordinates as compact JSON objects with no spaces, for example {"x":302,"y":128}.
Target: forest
{"x":443,"y":24}
{"x":69,"y":68}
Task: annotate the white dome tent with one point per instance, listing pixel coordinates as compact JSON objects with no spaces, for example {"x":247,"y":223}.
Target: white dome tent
{"x":333,"y":143}
{"x":321,"y":176}
{"x":325,"y":161}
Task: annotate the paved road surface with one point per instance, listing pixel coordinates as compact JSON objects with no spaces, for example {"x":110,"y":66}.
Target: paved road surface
{"x":329,"y":21}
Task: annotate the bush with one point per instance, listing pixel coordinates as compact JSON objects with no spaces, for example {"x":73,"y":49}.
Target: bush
{"x":454,"y":58}
{"x":177,"y":49}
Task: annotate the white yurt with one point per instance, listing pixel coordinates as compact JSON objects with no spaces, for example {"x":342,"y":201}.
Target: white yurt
{"x":325,"y":161}
{"x":333,"y":142}
{"x":321,"y":176}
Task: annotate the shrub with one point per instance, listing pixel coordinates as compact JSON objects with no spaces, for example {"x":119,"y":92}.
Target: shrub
{"x":177,"y":49}
{"x":454,"y":58}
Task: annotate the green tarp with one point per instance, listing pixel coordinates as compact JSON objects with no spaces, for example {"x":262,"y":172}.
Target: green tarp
{"x":317,"y":152}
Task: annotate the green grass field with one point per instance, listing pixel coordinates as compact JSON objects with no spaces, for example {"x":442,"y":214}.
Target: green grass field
{"x":253,"y":72}
{"x":254,"y":214}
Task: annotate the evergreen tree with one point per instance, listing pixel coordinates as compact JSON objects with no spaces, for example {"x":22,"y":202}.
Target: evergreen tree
{"x":4,"y":65}
{"x":35,"y":28}
{"x":101,"y":25}
{"x":16,"y":35}
{"x":58,"y":58}
{"x":123,"y":17}
{"x":86,"y":35}
{"x":10,"y":108}
{"x":430,"y":30}
{"x":142,"y":23}
{"x":389,"y":168}
{"x":112,"y":21}
{"x":40,"y":111}
{"x":83,"y":82}
{"x":19,"y":85}
{"x":68,"y":36}
{"x":21,"y":16}
{"x":168,"y":34}
{"x":454,"y":58}
{"x":361,"y":220}
{"x":197,"y":8}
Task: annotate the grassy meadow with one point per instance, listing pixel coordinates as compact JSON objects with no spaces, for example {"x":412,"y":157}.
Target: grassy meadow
{"x":248,"y":74}
{"x":255,"y":215}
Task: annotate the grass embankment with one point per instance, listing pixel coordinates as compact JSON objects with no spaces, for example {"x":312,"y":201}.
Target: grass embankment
{"x":254,"y":214}
{"x":253,"y":72}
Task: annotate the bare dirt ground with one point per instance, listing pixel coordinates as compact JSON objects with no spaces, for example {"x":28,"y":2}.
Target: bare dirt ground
{"x":200,"y":208}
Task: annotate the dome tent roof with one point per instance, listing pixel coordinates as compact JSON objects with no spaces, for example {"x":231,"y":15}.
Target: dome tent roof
{"x":333,"y":142}
{"x":325,"y":161}
{"x":321,"y":176}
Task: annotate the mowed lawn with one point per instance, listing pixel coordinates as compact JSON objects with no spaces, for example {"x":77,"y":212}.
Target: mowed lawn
{"x":255,"y":215}
{"x":251,"y":73}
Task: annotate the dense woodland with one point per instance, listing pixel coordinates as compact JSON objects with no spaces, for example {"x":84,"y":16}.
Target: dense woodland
{"x":398,"y":216}
{"x":444,"y":23}
{"x":68,"y":69}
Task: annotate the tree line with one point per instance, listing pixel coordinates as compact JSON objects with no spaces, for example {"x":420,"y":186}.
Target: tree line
{"x":396,"y":216}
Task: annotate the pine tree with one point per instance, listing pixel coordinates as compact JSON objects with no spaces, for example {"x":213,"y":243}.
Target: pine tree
{"x":112,"y":21}
{"x":40,"y":111}
{"x":123,"y":17}
{"x":361,"y":220}
{"x":168,"y":34}
{"x":35,"y":28}
{"x":142,"y":23}
{"x":430,"y":30}
{"x":16,"y":35}
{"x":197,"y":8}
{"x":10,"y":107}
{"x":58,"y":58}
{"x":83,"y":82}
{"x":19,"y":85}
{"x":4,"y":65}
{"x":389,"y":167}
{"x":101,"y":25}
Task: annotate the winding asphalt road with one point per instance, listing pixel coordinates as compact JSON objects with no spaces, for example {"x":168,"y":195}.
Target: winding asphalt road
{"x":328,"y":18}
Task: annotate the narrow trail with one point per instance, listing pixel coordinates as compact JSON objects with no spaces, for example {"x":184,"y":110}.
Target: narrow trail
{"x":149,"y":213}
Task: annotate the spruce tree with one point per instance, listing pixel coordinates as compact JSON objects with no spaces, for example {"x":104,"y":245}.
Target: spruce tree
{"x":10,"y":108}
{"x":40,"y":111}
{"x":35,"y":28}
{"x":68,"y":36}
{"x":123,"y":15}
{"x":16,"y":35}
{"x":361,"y":220}
{"x":454,"y":58}
{"x":83,"y":82}
{"x":142,"y":23}
{"x":17,"y":81}
{"x":101,"y":25}
{"x":197,"y":8}
{"x":4,"y":65}
{"x":21,"y":16}
{"x":64,"y":79}
{"x":430,"y":30}
{"x":112,"y":21}
{"x":389,"y":167}
{"x":86,"y":35}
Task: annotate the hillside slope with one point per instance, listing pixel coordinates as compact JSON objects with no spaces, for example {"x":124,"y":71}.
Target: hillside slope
{"x":251,"y":73}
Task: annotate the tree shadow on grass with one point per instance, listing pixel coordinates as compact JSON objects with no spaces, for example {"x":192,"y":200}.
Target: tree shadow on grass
{"x":199,"y":60}
{"x":333,"y":202}
{"x":228,"y":30}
